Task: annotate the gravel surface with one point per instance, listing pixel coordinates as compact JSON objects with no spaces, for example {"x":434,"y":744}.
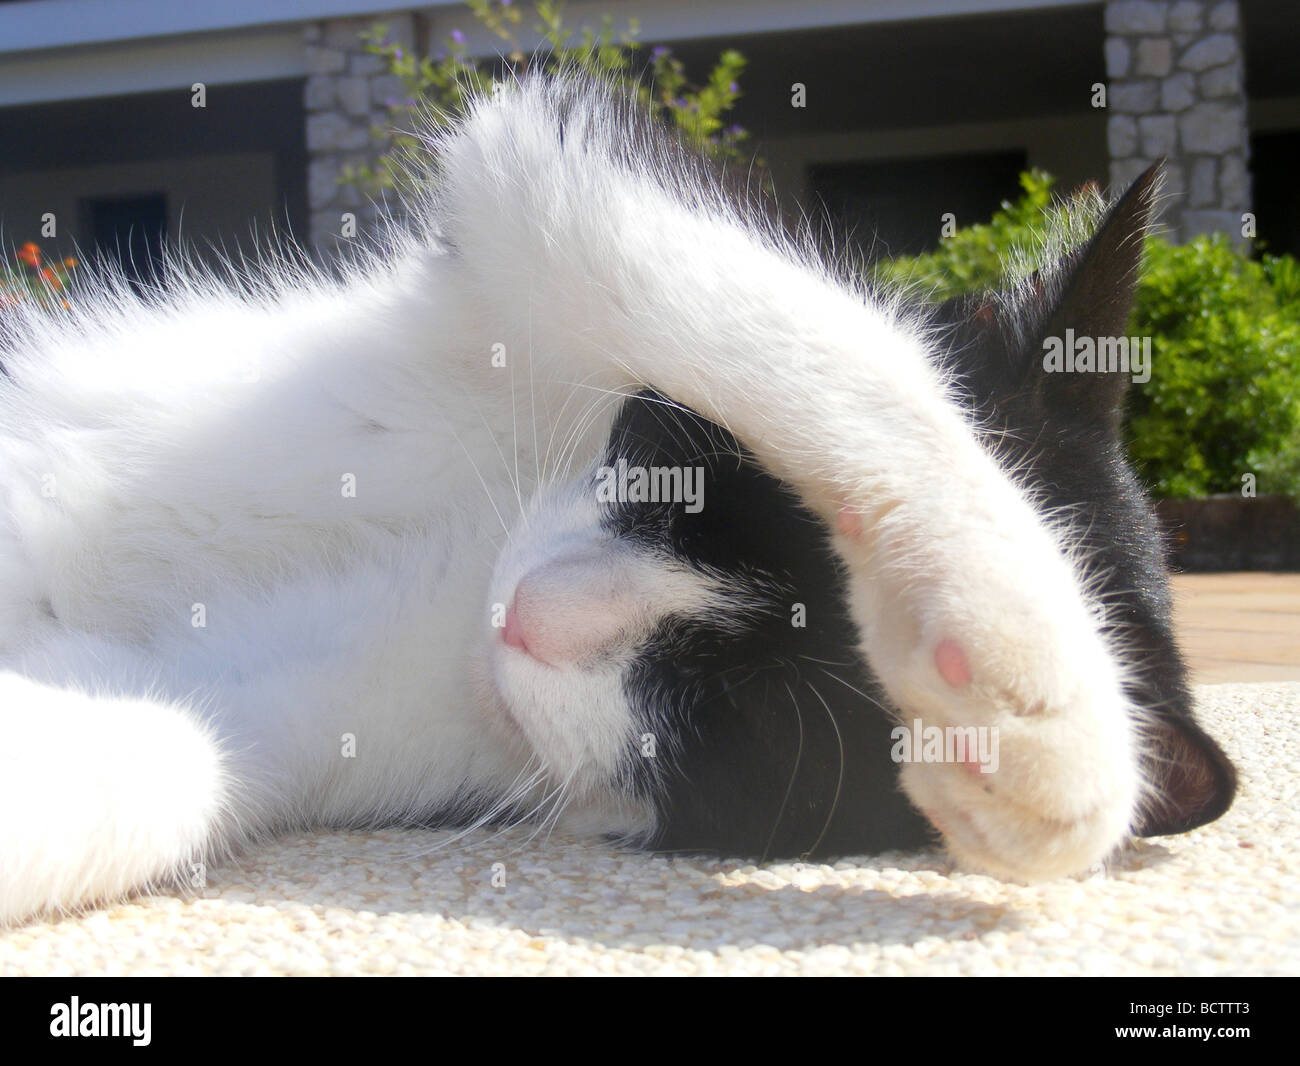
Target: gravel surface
{"x":1222,"y":900}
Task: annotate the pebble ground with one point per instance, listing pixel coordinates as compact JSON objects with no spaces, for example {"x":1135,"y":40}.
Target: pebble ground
{"x":1222,"y":900}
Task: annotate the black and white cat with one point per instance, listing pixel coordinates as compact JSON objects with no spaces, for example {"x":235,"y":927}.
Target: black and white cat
{"x":303,"y":552}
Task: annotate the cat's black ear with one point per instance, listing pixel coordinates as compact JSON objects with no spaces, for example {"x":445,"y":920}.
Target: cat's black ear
{"x":1194,"y":782}
{"x":997,"y":343}
{"x":1086,"y":301}
{"x":1100,"y":278}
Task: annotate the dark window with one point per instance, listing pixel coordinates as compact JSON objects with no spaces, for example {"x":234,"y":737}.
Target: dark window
{"x":131,"y":231}
{"x":896,"y":207}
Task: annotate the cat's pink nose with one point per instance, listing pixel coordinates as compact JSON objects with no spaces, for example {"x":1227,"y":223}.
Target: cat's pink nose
{"x":513,"y":634}
{"x":567,"y":610}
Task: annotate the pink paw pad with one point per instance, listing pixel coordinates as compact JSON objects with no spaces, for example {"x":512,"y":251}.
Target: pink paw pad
{"x":950,"y":661}
{"x":849,"y":522}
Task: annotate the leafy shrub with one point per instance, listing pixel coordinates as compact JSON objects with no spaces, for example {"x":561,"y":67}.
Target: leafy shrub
{"x":1223,"y":399}
{"x":980,"y":257}
{"x":1224,"y":394}
{"x":450,"y":78}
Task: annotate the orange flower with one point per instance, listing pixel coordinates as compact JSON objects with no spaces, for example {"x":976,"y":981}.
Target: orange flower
{"x":52,"y":279}
{"x":70,"y":262}
{"x":30,"y":253}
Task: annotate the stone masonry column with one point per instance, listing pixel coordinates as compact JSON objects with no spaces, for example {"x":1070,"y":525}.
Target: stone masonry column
{"x":1177,"y":88}
{"x":346,"y":94}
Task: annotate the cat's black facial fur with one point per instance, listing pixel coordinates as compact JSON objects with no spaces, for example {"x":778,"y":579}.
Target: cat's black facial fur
{"x":771,"y":738}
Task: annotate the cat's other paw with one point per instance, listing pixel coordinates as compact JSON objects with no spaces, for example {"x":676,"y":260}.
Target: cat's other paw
{"x":1020,"y":748}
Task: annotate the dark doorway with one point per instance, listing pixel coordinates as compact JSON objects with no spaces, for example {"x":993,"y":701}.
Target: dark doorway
{"x":1274,"y":162}
{"x":896,"y":207}
{"x":131,"y":232}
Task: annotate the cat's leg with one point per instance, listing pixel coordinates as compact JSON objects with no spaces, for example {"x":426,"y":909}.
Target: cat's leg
{"x":101,"y":796}
{"x":968,"y":604}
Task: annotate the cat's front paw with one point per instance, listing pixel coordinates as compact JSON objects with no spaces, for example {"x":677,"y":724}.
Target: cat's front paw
{"x":1015,"y":735}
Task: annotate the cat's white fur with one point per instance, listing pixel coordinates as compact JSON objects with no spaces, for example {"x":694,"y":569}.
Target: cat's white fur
{"x":187,"y":461}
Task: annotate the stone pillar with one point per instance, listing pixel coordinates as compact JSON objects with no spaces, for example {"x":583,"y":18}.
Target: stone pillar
{"x":1177,"y":88}
{"x":346,"y":94}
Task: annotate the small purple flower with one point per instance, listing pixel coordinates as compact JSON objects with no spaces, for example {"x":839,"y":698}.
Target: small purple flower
{"x":733,"y":88}
{"x":457,"y":36}
{"x":659,"y":51}
{"x":398,"y":54}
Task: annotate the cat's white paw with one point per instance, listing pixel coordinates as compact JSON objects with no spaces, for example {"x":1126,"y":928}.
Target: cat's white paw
{"x":995,"y":655}
{"x":100,"y":797}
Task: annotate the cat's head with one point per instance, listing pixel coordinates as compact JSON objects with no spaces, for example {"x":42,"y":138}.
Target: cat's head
{"x":675,"y":643}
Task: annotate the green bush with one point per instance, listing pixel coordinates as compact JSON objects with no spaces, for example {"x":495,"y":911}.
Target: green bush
{"x":1224,"y":394}
{"x":451,"y":77}
{"x":1223,"y":399}
{"x":1021,"y":234}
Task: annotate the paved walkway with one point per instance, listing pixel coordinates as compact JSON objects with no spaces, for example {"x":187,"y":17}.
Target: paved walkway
{"x":1239,"y":627}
